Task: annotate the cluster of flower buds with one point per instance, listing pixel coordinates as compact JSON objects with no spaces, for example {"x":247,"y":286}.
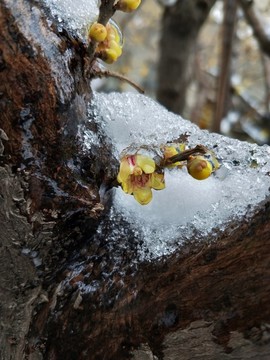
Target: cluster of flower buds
{"x":109,"y":39}
{"x":172,"y":150}
{"x":139,"y":174}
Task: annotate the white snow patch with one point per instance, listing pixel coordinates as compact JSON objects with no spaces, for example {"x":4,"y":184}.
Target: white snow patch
{"x":187,"y":207}
{"x":75,"y":15}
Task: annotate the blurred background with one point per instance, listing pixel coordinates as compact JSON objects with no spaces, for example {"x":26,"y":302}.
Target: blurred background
{"x":207,"y":60}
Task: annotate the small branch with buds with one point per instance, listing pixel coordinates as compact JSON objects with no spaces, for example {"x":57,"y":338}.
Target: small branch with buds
{"x":184,"y":155}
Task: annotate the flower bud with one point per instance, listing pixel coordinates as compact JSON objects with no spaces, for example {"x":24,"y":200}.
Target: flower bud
{"x":128,"y":5}
{"x":199,"y":168}
{"x":109,"y":56}
{"x":97,"y":32}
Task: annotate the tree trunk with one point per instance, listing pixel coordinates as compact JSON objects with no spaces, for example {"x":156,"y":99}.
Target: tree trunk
{"x":180,"y":26}
{"x":223,"y":100}
{"x":209,"y":301}
{"x":43,"y":194}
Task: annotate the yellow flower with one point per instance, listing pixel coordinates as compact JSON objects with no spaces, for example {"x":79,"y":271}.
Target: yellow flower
{"x":137,"y":177}
{"x":135,"y":163}
{"x":110,"y":48}
{"x":157,"y":181}
{"x":169,"y":151}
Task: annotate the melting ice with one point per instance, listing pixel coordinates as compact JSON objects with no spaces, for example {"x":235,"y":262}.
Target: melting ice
{"x":187,"y":208}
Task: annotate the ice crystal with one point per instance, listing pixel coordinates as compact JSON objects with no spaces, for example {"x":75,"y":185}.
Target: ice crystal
{"x":187,"y":209}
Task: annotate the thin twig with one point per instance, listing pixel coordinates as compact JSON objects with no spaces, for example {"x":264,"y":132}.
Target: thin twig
{"x":184,"y":155}
{"x":97,"y":73}
{"x":240,"y":96}
{"x":266,"y":70}
{"x":255,"y":21}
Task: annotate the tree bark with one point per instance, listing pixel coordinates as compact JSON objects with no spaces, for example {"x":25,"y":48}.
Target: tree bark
{"x":180,"y":26}
{"x":43,"y":100}
{"x":209,"y":301}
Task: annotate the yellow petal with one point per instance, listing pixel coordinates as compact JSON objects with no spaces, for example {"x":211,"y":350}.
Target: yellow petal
{"x":146,"y":163}
{"x":114,"y":32}
{"x":113,"y":45}
{"x":157,"y":181}
{"x":143,"y":195}
{"x":127,"y":186}
{"x":137,"y":171}
{"x":110,"y":56}
{"x":182,"y":146}
{"x":169,"y":151}
{"x":125,"y":170}
{"x":172,"y":150}
{"x":98,"y":32}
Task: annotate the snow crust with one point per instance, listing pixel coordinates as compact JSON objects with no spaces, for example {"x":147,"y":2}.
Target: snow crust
{"x":75,"y":15}
{"x":187,"y":208}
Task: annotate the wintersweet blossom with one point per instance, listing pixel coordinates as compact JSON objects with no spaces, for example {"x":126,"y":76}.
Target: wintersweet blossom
{"x":171,"y":150}
{"x":137,"y":177}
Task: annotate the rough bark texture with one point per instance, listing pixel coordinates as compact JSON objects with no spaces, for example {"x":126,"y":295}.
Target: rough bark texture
{"x":180,"y":26}
{"x":207,"y":301}
{"x":43,"y":99}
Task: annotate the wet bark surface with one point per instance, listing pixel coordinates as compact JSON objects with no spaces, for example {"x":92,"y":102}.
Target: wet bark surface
{"x":210,"y":300}
{"x":67,"y":292}
{"x":44,"y":185}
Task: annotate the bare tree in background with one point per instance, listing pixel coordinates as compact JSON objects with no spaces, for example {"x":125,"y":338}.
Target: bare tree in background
{"x":223,"y":88}
{"x":181,"y":23}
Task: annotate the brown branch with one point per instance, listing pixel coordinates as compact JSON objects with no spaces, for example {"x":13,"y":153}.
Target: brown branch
{"x":184,"y":155}
{"x":97,"y":73}
{"x":254,"y":20}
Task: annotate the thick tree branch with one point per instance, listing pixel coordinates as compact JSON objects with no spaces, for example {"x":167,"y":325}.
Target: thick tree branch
{"x":255,"y":22}
{"x":181,"y":23}
{"x":71,"y":289}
